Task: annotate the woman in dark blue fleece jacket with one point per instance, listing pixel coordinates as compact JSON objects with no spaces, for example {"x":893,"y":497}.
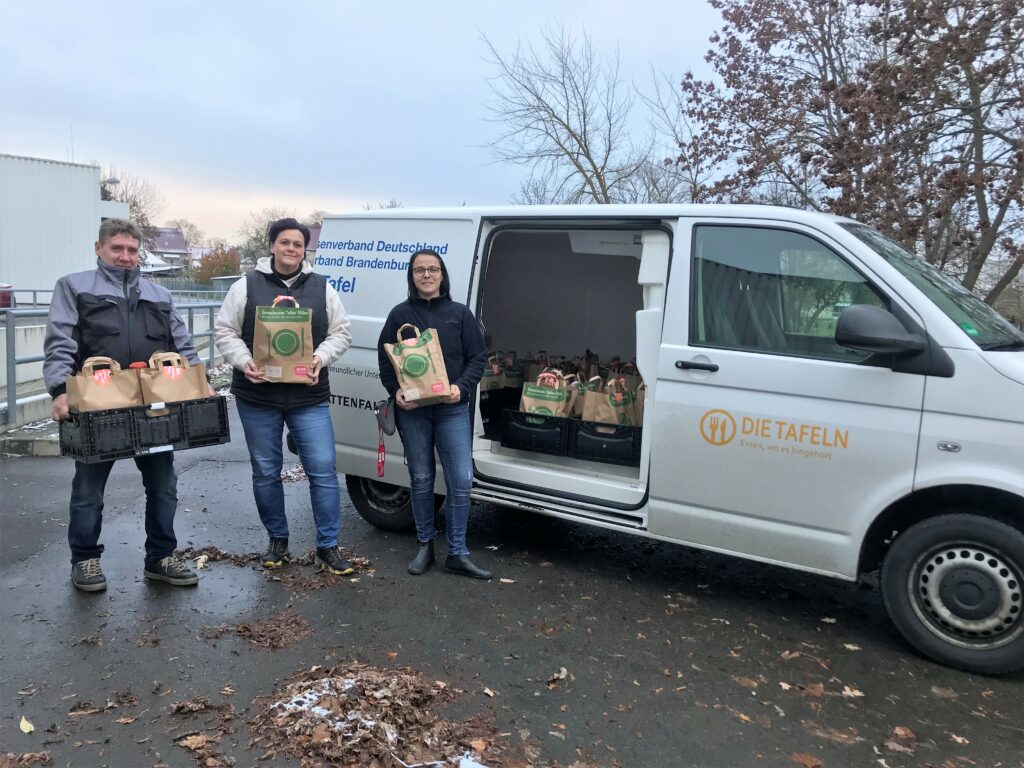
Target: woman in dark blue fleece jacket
{"x":446,"y":425}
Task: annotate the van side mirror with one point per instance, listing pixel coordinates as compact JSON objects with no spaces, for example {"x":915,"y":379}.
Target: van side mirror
{"x":874,"y":329}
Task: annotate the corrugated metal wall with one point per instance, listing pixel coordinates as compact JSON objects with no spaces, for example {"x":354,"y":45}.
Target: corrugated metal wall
{"x":49,"y":214}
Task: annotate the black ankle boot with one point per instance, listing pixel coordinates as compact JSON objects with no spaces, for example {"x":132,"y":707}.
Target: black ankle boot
{"x":462,"y":565}
{"x":423,"y":560}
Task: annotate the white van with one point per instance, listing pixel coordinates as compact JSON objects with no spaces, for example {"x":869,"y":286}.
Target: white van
{"x":817,"y":397}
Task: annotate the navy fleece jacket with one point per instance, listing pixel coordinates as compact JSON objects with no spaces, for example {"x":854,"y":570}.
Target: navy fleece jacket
{"x":462,"y":341}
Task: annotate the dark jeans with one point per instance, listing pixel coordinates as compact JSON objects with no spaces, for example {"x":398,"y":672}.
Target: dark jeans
{"x":313,"y":431}
{"x":447,"y":428}
{"x":87,"y":506}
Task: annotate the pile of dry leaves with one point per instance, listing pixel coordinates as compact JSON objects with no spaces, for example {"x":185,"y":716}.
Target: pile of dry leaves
{"x":355,"y":714}
{"x":271,"y":634}
{"x":11,"y":760}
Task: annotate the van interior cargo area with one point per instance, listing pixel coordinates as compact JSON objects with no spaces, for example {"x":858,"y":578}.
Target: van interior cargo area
{"x":561,"y":293}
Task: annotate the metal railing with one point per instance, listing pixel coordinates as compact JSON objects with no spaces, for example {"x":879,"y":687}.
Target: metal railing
{"x":9,"y":410}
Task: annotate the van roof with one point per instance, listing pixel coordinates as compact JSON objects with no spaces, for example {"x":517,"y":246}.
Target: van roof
{"x":624,"y":211}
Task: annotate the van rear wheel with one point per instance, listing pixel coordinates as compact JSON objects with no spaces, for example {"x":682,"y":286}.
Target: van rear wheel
{"x":382,"y":505}
{"x":954,"y":587}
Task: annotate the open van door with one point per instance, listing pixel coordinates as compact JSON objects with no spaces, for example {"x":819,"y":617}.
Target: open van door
{"x":595,"y":285}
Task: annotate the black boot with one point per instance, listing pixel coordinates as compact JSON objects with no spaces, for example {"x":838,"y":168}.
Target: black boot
{"x":423,"y":560}
{"x":462,"y":565}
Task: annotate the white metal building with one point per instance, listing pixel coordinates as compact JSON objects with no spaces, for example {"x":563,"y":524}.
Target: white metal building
{"x":49,"y":213}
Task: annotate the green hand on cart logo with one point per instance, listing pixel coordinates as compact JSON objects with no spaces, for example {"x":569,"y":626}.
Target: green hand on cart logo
{"x":285,"y":342}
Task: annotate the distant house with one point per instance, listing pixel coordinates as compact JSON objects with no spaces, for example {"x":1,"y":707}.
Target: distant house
{"x":151,"y":264}
{"x":168,"y":244}
{"x":196,"y":254}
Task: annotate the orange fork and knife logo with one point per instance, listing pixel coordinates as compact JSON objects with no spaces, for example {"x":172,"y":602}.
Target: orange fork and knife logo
{"x":718,"y":427}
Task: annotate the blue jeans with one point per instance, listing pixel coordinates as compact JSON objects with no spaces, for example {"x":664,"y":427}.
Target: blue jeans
{"x":311,"y":427}
{"x":447,"y":428}
{"x":87,"y":489}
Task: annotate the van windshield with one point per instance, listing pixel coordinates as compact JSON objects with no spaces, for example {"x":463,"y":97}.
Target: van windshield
{"x":982,"y":324}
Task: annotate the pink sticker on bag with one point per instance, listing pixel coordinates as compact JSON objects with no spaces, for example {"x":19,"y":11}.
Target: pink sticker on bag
{"x":171,"y":372}
{"x":437,"y":387}
{"x":101,"y":376}
{"x":409,"y":342}
{"x":302,"y":370}
{"x":618,"y":397}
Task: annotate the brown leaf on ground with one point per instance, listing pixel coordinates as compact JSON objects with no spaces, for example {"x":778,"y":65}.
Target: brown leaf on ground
{"x":271,"y":634}
{"x":193,"y":705}
{"x":841,"y":736}
{"x":11,"y":760}
{"x":148,"y":639}
{"x":746,"y":682}
{"x":945,"y":693}
{"x":806,"y":760}
{"x":902,"y":732}
{"x":194,"y":742}
{"x":894,"y":746}
{"x":125,"y":698}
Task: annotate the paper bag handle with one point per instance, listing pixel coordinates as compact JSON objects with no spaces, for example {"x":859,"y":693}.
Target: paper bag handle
{"x":282,"y":297}
{"x":553,"y":374}
{"x":90,"y":365}
{"x":398,"y":333}
{"x":159,"y":359}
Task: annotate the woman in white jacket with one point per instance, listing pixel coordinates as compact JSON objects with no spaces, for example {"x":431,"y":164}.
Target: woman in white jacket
{"x":265,"y":407}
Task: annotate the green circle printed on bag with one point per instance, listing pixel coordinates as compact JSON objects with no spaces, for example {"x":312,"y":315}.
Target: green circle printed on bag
{"x":415,"y":365}
{"x":285,"y":342}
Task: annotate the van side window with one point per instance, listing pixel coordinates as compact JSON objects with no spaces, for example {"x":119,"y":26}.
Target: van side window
{"x":774,"y":291}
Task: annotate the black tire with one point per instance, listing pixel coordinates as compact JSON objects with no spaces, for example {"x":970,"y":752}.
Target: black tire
{"x":954,"y":586}
{"x":383,"y":505}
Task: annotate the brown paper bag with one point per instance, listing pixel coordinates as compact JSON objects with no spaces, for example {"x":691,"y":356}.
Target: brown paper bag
{"x":639,"y":396}
{"x":419,"y":365}
{"x":494,"y":371}
{"x":573,"y":395}
{"x":170,"y":379}
{"x":102,"y":385}
{"x":612,"y":404}
{"x":283,"y":342}
{"x":628,"y":373}
{"x":547,"y":396}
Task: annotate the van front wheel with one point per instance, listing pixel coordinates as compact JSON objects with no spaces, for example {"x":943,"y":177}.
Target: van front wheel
{"x":382,"y":505}
{"x":954,"y":587}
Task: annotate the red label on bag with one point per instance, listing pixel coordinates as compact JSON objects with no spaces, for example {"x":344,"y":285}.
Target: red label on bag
{"x":437,"y":387}
{"x":618,"y":397}
{"x":102,"y":376}
{"x":173,"y":373}
{"x":409,"y":342}
{"x":302,"y":370}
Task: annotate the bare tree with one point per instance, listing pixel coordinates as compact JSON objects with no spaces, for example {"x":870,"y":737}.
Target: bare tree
{"x":905,"y":114}
{"x":145,"y":204}
{"x":316,"y":217}
{"x":564,"y":113}
{"x":193,"y":235}
{"x":392,"y":203}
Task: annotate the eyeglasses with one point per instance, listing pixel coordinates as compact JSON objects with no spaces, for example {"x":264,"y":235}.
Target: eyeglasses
{"x":421,"y":271}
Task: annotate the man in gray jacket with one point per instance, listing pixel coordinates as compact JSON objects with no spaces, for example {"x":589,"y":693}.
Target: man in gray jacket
{"x":112,"y":311}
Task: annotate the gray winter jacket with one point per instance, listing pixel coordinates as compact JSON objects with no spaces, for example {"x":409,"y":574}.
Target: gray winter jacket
{"x":113,"y":312}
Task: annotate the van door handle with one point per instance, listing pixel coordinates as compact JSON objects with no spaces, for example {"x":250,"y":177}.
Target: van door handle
{"x":688,"y":365}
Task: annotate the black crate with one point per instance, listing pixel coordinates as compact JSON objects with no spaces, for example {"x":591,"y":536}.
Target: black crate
{"x":606,"y":443}
{"x":493,"y":403}
{"x":534,"y":432}
{"x":99,"y":435}
{"x":127,"y":432}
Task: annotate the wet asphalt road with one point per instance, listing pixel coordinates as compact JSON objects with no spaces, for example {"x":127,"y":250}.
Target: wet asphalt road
{"x":673,"y":657}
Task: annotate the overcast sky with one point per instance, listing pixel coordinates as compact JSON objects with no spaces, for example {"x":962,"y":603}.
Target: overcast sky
{"x":228,"y":107}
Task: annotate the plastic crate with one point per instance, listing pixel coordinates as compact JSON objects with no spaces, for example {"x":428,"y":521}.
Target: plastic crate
{"x":606,"y":443}
{"x":128,"y":432}
{"x":493,"y":403}
{"x":534,"y":432}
